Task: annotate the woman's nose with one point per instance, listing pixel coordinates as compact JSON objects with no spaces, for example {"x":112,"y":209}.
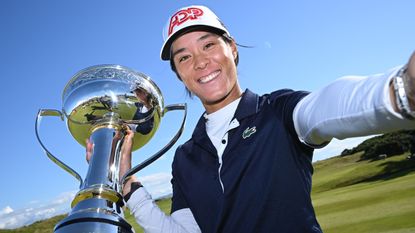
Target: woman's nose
{"x":201,"y":61}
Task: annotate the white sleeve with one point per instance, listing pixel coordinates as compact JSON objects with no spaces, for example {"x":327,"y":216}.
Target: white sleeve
{"x":349,"y":107}
{"x":149,"y":216}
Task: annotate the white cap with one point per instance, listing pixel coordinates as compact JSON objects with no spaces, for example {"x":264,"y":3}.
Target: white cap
{"x":186,"y":18}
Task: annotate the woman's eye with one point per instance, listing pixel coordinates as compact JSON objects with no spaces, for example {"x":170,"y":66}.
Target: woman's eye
{"x":208,"y":45}
{"x":183,"y":58}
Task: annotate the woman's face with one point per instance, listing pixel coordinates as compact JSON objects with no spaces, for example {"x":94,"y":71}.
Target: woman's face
{"x":205,"y":63}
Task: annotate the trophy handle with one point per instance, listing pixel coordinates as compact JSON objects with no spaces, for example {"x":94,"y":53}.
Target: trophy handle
{"x":157,"y":155}
{"x":53,"y":112}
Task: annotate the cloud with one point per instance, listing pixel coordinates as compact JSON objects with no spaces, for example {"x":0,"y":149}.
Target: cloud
{"x":36,"y":211}
{"x":6,"y":210}
{"x":157,"y":184}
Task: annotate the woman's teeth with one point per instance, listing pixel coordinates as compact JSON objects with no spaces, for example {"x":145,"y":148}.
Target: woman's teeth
{"x":209,"y":77}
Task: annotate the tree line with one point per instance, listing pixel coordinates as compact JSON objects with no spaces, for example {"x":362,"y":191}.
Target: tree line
{"x":388,"y":144}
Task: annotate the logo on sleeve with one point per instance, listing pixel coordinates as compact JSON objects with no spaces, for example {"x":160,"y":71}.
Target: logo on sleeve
{"x":248,"y":132}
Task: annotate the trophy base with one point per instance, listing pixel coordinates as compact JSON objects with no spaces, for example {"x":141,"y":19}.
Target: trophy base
{"x":85,"y":223}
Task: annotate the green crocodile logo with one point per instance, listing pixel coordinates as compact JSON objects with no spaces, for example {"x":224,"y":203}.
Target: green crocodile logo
{"x":248,"y":132}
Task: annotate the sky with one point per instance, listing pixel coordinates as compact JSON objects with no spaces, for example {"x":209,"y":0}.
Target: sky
{"x":299,"y":44}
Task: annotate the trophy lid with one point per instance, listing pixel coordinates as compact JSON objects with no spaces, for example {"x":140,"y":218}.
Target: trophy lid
{"x":112,"y":95}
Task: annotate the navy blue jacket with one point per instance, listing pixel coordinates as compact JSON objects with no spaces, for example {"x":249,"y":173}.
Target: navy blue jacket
{"x":266,"y":176}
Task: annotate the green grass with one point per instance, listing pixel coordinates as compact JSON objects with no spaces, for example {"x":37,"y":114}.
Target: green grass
{"x":378,"y":198}
{"x":383,"y":206}
{"x":349,"y":195}
{"x":356,"y":196}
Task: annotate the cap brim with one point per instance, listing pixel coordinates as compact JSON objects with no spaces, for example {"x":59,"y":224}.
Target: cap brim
{"x":165,"y":52}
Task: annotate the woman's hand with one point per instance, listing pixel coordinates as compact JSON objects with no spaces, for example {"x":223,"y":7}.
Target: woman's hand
{"x":125,"y":161}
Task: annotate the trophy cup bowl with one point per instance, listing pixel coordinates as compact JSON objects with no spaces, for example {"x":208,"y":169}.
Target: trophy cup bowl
{"x":99,"y":94}
{"x":99,"y":102}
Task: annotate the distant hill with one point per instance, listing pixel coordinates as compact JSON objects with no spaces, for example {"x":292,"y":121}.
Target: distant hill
{"x":354,"y":192}
{"x":389,"y":144}
{"x":44,"y":226}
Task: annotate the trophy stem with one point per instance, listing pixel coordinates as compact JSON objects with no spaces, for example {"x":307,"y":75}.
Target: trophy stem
{"x":103,"y":167}
{"x":98,"y":205}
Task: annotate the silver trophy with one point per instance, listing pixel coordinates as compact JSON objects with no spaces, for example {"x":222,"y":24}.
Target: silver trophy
{"x":98,"y":103}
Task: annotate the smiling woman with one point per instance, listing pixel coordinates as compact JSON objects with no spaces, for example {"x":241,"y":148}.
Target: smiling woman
{"x":205,"y":63}
{"x":245,"y":144}
{"x":45,"y":42}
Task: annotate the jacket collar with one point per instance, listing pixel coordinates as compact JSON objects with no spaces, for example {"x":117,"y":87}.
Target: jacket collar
{"x":246,"y":107}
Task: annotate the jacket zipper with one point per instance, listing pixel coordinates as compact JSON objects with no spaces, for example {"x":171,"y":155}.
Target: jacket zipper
{"x":220,"y":179}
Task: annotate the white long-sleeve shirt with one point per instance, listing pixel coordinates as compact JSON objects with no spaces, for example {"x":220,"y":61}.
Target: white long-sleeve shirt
{"x":348,"y":107}
{"x":351,"y":106}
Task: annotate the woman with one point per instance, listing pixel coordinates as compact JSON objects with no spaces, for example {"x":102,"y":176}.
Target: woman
{"x":248,"y":165}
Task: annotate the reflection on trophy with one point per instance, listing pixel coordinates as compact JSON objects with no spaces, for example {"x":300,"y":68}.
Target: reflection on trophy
{"x":99,"y":102}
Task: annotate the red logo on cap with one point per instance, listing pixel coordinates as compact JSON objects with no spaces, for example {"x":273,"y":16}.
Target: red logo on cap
{"x":182,"y":16}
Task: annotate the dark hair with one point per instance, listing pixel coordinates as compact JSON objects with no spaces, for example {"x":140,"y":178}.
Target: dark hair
{"x":225,"y":38}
